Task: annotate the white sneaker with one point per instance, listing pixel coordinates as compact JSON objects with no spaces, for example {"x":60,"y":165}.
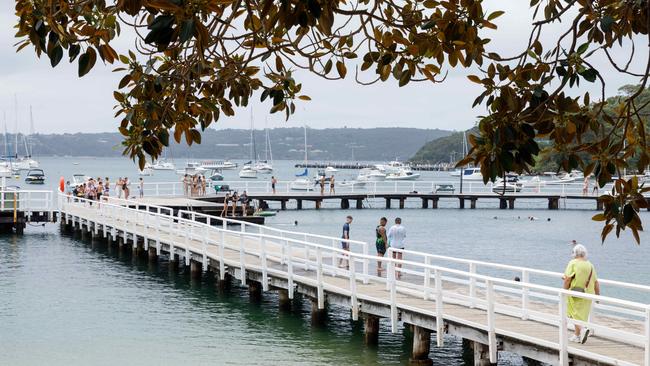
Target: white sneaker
{"x":575,"y":339}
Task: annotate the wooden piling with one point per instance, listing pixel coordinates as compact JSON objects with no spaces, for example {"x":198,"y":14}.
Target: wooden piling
{"x":359,"y":204}
{"x":318,"y":316}
{"x":511,"y":203}
{"x":255,"y":291}
{"x":434,"y":202}
{"x":462,"y":202}
{"x":345,"y":203}
{"x":401,"y":203}
{"x":472,"y":203}
{"x":425,"y":203}
{"x":318,"y":203}
{"x":387,"y":203}
{"x":481,"y":354}
{"x":421,"y":346}
{"x":284,"y":300}
{"x":299,"y":204}
{"x":153,"y":256}
{"x":196,"y":269}
{"x":283,"y":205}
{"x":503,"y":204}
{"x":371,"y":330}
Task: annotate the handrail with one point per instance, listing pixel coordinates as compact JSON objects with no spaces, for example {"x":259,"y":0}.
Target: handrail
{"x":197,"y":231}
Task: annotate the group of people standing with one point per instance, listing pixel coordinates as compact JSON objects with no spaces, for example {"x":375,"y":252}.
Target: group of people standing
{"x":194,"y":185}
{"x":230,"y":202}
{"x":95,"y":189}
{"x":394,"y":237}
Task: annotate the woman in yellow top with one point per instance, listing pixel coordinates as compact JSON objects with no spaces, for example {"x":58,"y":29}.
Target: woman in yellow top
{"x":580,"y":276}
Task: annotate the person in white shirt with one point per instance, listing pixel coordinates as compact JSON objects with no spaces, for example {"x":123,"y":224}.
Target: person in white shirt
{"x":396,"y":239}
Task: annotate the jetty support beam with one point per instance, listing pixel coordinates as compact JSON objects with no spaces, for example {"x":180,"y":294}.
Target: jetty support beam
{"x":421,"y":346}
{"x":371,"y":330}
{"x":318,"y":316}
{"x":284,"y":300}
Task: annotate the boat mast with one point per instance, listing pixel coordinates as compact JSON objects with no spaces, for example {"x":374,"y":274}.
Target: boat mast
{"x":16,"y":129}
{"x":305,"y":145}
{"x":252,"y":148}
{"x":5,"y":136}
{"x":30,"y":150}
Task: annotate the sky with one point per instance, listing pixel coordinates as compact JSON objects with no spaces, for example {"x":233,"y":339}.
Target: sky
{"x":65,"y":103}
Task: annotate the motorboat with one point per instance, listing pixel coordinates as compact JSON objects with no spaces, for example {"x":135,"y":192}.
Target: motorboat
{"x":25,"y":163}
{"x":330,"y":170}
{"x":535,"y":181}
{"x":562,"y":179}
{"x":472,"y":174}
{"x":248,"y":172}
{"x":371,"y":175}
{"x":35,"y":176}
{"x":402,"y":175}
{"x":455,"y":173}
{"x":263,"y":167}
{"x":509,"y":184}
{"x":214,"y":175}
{"x":78,"y":179}
{"x":191,"y":168}
{"x":218,"y":164}
{"x":302,"y":184}
{"x":352,"y":183}
{"x":394,"y":167}
{"x":146,"y":172}
{"x":163,"y":165}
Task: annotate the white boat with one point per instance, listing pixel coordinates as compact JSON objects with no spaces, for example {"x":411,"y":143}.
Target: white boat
{"x":402,"y":175}
{"x":218,"y":164}
{"x":352,"y":183}
{"x":371,"y":175}
{"x":78,"y":179}
{"x":472,"y":174}
{"x":302,"y":184}
{"x":248,"y":172}
{"x":214,"y":175}
{"x":331,"y":169}
{"x":146,"y":172}
{"x":395,"y":167}
{"x":163,"y":165}
{"x":263,"y":167}
{"x":561,"y":179}
{"x":511,"y":185}
{"x":535,"y":181}
{"x":191,"y":168}
{"x":455,"y":173}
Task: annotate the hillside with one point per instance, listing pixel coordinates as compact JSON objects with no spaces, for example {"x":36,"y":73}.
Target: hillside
{"x":287,"y":143}
{"x":444,"y":149}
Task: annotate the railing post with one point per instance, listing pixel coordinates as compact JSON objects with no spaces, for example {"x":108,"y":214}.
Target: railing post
{"x":525,"y":291}
{"x":647,"y":336}
{"x":242,"y":265}
{"x":265,"y":275}
{"x":222,"y":265}
{"x":334,"y":257}
{"x":563,"y":329}
{"x":393,"y":296}
{"x":204,"y":242}
{"x":304,"y":238}
{"x":366,"y":264}
{"x":354,"y":303}
{"x":492,"y":338}
{"x":319,"y":278}
{"x":427,"y":277}
{"x":472,"y":285}
{"x":440,"y":322}
{"x":290,"y":269}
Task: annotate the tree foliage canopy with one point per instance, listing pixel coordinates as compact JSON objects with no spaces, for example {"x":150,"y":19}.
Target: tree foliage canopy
{"x":195,"y":60}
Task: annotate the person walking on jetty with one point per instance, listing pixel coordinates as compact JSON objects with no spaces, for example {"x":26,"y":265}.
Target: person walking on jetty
{"x":345,"y":245}
{"x":380,"y":242}
{"x":580,"y":276}
{"x":322,"y":185}
{"x":396,"y":239}
{"x":141,"y":188}
{"x":273,"y":183}
{"x":332,"y":185}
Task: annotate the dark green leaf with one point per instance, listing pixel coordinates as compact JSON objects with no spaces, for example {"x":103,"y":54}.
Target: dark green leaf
{"x":87,"y":61}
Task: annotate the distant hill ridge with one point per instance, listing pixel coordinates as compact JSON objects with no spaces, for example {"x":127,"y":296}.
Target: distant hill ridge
{"x":286,"y":143}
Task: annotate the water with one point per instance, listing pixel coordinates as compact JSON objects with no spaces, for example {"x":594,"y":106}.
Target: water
{"x":63,"y":302}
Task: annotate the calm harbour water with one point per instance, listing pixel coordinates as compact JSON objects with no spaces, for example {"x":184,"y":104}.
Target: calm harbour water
{"x":63,"y":302}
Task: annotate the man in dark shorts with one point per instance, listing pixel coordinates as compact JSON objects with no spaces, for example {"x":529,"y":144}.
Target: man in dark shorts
{"x":344,"y":244}
{"x":380,"y":242}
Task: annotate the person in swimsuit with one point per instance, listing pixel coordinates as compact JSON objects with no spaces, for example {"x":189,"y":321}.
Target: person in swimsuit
{"x":107,"y":189}
{"x":273,"y":183}
{"x":380,"y":242}
{"x":322,"y":185}
{"x":332,"y":185}
{"x":226,"y":201}
{"x":125,"y":188}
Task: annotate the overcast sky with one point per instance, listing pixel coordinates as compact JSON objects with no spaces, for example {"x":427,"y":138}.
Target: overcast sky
{"x":62,"y":102}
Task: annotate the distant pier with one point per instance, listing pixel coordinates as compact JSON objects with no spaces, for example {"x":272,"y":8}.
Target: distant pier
{"x":439,"y":167}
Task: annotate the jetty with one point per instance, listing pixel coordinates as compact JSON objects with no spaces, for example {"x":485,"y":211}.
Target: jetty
{"x":397,"y":194}
{"x":431,"y":167}
{"x":436,"y":296}
{"x":18,"y":208}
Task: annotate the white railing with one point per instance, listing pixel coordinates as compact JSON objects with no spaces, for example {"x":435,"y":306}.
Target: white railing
{"x":26,"y":200}
{"x":423,"y":187}
{"x":437,"y":284}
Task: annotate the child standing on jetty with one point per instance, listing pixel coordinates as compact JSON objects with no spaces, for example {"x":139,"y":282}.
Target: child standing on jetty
{"x":396,"y":238}
{"x":344,"y":244}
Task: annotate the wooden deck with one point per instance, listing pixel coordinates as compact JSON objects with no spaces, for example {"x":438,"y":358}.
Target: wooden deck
{"x":481,"y":314}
